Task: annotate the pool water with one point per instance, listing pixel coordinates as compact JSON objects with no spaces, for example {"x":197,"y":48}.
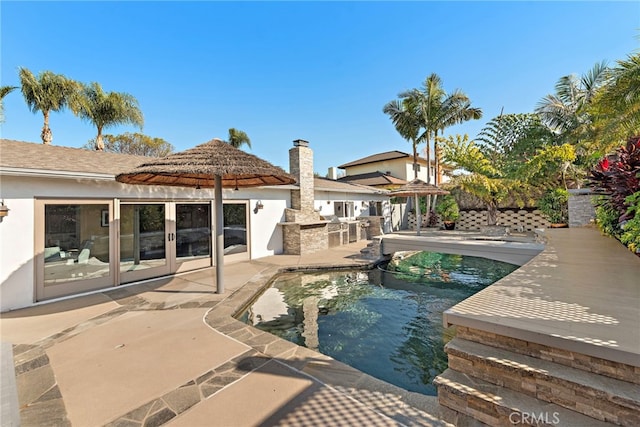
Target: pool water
{"x":384,"y":322}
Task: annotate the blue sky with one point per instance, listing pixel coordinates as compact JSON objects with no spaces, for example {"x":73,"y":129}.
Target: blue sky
{"x":320,"y":71}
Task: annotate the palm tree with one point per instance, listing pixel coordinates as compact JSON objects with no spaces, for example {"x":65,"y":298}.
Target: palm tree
{"x":46,"y":92}
{"x":106,"y":109}
{"x":438,"y":111}
{"x":237,"y":138}
{"x":4,"y":91}
{"x":566,"y":112}
{"x":618,"y":107}
{"x":404,"y":116}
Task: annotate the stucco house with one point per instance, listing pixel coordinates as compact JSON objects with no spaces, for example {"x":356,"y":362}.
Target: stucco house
{"x":389,"y":170}
{"x":71,"y":228}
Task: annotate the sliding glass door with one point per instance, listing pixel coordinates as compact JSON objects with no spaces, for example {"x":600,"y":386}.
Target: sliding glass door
{"x":83,"y":245}
{"x":144,"y":241}
{"x":73,"y":247}
{"x":192,"y":236}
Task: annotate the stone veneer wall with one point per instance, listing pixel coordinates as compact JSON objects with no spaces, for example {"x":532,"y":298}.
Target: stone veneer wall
{"x":517,"y":220}
{"x":301,"y":166}
{"x":581,"y":209}
{"x":584,"y":362}
{"x":302,"y":239}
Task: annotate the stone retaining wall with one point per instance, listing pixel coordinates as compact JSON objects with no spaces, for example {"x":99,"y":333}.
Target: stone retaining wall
{"x":584,"y":362}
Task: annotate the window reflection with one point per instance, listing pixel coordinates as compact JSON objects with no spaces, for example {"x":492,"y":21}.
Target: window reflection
{"x":235,"y":228}
{"x":76,"y":242}
{"x":193,"y":231}
{"x":142,"y":236}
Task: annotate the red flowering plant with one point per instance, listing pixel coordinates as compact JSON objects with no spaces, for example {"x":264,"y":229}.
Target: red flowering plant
{"x":618,"y":176}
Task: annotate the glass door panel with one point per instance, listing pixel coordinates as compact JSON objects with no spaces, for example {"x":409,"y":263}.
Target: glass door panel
{"x":236,"y":241}
{"x":143,"y":241}
{"x":193,"y":236}
{"x":73,"y":248}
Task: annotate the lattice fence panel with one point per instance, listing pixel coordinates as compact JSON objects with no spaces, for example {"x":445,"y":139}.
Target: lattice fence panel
{"x":516,"y":220}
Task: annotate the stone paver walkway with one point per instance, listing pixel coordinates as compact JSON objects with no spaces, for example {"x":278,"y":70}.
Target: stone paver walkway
{"x":169,"y":352}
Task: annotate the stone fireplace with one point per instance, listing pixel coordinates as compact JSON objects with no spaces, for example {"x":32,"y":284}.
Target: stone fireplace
{"x":304,"y":230}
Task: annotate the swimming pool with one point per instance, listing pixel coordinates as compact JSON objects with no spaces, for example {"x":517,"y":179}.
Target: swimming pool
{"x":384,"y":322}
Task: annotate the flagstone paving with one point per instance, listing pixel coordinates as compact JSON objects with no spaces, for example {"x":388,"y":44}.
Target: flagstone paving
{"x":168,"y":352}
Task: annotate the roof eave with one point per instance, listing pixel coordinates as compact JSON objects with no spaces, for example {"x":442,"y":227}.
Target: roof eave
{"x":47,"y":173}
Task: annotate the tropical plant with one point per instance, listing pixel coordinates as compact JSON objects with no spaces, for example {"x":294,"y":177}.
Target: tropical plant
{"x":553,"y":205}
{"x":438,"y":110}
{"x":617,"y":108}
{"x":618,"y":176}
{"x":566,"y":112}
{"x":448,"y":209}
{"x":607,"y":218}
{"x":104,"y":109}
{"x":4,"y":91}
{"x":237,"y":138}
{"x":404,"y":116}
{"x":46,"y":92}
{"x":482,"y":178}
{"x":133,"y":143}
{"x":631,"y":229}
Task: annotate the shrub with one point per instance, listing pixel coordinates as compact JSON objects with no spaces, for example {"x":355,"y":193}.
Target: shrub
{"x":618,"y":177}
{"x":447,"y":208}
{"x":607,"y":218}
{"x":554,"y":205}
{"x":631,"y":229}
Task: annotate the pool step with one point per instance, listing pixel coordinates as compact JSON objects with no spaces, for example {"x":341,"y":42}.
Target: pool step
{"x":469,"y":401}
{"x":587,"y":393}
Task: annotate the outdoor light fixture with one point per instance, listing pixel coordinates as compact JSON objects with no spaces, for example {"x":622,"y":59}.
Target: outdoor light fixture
{"x":259,"y":206}
{"x":4,"y":211}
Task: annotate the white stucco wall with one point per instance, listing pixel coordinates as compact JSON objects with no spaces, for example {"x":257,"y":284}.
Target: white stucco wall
{"x":400,"y":168}
{"x":16,"y":254}
{"x":17,"y":231}
{"x":324,"y":208}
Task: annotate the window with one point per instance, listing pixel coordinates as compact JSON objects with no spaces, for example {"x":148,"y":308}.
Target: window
{"x":76,"y":244}
{"x":375,"y":208}
{"x":343,"y":209}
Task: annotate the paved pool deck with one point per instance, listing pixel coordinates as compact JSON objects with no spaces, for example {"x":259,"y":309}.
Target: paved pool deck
{"x":169,"y":352}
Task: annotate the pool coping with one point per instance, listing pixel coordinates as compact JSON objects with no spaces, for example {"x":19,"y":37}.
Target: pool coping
{"x":580,"y":294}
{"x":391,"y":401}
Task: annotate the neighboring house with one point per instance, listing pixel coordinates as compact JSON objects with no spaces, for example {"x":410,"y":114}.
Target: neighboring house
{"x":71,"y":228}
{"x":389,"y":170}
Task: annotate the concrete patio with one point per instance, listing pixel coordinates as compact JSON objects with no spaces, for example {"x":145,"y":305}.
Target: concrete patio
{"x":169,"y":352}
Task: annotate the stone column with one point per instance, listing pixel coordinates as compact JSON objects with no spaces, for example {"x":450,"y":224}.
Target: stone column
{"x":301,"y":167}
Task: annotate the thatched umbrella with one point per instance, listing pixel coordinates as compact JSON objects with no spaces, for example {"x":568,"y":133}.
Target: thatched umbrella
{"x":214,"y":164}
{"x":418,"y":188}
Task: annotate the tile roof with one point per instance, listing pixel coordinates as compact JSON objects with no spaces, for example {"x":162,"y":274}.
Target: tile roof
{"x":41,"y":157}
{"x":373,"y":179}
{"x":348,"y":187}
{"x":29,"y":155}
{"x":381,"y":157}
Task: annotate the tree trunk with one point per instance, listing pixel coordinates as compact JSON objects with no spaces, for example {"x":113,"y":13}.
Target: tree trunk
{"x":492,"y":213}
{"x":415,"y":160}
{"x":46,"y":134}
{"x":428,"y":153}
{"x":99,"y":141}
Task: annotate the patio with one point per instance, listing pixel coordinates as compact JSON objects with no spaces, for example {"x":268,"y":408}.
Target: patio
{"x":168,"y":352}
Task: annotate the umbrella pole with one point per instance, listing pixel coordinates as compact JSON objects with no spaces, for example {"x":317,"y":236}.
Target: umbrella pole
{"x":219,"y":235}
{"x":418,"y":214}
